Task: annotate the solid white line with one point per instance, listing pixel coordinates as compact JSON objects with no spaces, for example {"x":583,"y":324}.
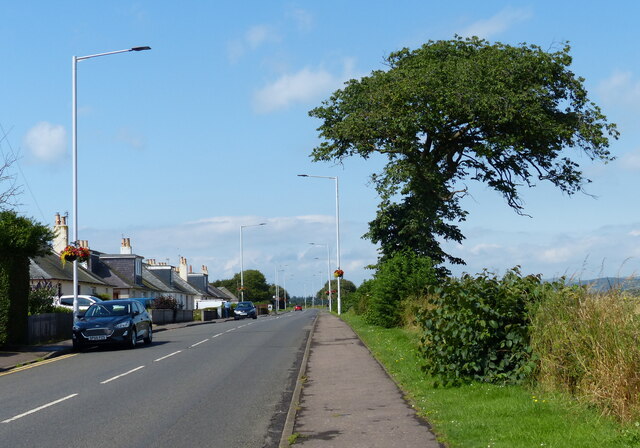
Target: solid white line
{"x":121,"y":375}
{"x":166,"y":356}
{"x":38,"y":409}
{"x":198,"y":343}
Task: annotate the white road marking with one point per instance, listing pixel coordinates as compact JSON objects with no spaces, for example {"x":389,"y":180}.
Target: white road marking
{"x":230,"y":329}
{"x":121,"y":375}
{"x":166,"y":356}
{"x":216,"y":335}
{"x":201,"y":342}
{"x":39,"y":408}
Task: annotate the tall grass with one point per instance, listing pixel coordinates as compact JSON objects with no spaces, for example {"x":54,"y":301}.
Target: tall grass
{"x":588,"y":345}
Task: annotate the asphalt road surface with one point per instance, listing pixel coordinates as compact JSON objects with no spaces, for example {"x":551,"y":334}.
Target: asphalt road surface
{"x":219,"y":385}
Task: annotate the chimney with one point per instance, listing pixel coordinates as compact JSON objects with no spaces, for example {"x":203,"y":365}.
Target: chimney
{"x":182,"y":269}
{"x":205,"y":270}
{"x":61,"y":233}
{"x":125,"y":247}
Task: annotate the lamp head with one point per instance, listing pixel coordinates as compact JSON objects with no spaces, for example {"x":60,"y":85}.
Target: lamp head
{"x":140,"y":48}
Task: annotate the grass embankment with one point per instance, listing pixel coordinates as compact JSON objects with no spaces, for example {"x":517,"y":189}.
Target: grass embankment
{"x":485,"y":415}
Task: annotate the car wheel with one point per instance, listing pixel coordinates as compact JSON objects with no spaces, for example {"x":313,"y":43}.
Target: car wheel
{"x":77,"y":345}
{"x":255,"y":316}
{"x":149,"y":337}
{"x":133,"y":339}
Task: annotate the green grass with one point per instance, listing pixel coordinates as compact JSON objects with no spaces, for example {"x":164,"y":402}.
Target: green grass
{"x":485,"y":415}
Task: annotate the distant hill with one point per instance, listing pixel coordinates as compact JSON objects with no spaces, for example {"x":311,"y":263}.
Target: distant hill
{"x":606,"y":283}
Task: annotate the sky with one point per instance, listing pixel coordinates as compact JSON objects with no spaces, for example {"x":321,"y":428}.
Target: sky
{"x":182,"y":146}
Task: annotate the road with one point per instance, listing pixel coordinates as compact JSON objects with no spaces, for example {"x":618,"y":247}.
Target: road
{"x":219,"y":385}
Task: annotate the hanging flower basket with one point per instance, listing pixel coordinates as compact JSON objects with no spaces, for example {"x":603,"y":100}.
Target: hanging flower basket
{"x":72,"y":253}
{"x":338,"y":273}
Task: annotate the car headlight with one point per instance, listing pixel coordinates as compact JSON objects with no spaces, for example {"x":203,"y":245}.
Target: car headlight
{"x":75,"y":328}
{"x":124,"y":324}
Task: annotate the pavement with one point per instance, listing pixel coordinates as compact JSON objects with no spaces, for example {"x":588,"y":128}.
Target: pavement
{"x":346,"y":399}
{"x":343,"y":397}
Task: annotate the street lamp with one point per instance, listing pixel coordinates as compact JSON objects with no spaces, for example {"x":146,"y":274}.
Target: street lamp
{"x":328,"y":272}
{"x":337,"y":231}
{"x":74,"y":155}
{"x":242,"y":258}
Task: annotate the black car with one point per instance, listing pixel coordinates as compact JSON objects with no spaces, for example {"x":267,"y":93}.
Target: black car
{"x":113,"y":322}
{"x":245,"y":309}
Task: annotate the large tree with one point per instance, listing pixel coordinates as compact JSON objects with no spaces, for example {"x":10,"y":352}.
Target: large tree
{"x":457,"y":111}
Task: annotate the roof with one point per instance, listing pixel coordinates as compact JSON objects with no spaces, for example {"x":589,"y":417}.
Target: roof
{"x":50,"y":267}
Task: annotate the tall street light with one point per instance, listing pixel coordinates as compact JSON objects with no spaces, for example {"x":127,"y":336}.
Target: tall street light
{"x":242,"y":257}
{"x":337,"y":231}
{"x":74,"y":144}
{"x":328,"y":272}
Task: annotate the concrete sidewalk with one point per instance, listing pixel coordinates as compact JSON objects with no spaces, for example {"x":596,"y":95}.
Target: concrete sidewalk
{"x":348,"y":400}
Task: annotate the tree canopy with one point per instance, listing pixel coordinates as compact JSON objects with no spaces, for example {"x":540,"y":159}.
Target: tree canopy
{"x":255,"y":285}
{"x":457,"y":111}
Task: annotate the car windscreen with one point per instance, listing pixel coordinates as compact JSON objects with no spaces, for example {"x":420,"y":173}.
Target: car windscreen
{"x":244,"y":306}
{"x":105,"y":309}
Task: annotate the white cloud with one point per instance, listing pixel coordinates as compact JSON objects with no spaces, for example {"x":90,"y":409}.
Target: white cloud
{"x":252,"y":39}
{"x":483,"y":248}
{"x":129,"y":137}
{"x":634,"y":233}
{"x":46,"y":142}
{"x":630,"y":161}
{"x":215,"y":242}
{"x":621,"y":89}
{"x":500,"y":22}
{"x":302,"y":18}
{"x":303,"y":86}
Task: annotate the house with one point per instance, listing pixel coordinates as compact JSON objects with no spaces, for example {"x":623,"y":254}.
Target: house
{"x":123,"y":275}
{"x":50,"y":269}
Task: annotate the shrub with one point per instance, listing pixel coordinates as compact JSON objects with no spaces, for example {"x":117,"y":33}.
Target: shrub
{"x":401,"y":277}
{"x":41,"y":297}
{"x":477,"y":328}
{"x":165,"y":303}
{"x":587,"y":345}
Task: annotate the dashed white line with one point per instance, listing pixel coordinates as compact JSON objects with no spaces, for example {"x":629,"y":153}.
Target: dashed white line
{"x":38,"y":408}
{"x":230,"y":329}
{"x":216,"y":335}
{"x":201,"y":342}
{"x":166,"y":356}
{"x":121,"y":375}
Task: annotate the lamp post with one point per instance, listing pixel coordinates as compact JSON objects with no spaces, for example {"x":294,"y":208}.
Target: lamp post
{"x":74,"y":154}
{"x":337,"y":231}
{"x":328,"y":273}
{"x":242,"y":257}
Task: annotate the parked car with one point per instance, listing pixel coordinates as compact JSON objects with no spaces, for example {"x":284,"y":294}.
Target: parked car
{"x":113,"y":322}
{"x":297,"y":308}
{"x":84,"y":301}
{"x":245,"y":309}
{"x":147,"y":302}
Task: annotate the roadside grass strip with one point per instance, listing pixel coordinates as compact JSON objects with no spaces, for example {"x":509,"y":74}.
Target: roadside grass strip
{"x":489,"y":415}
{"x":121,"y":375}
{"x":40,"y":408}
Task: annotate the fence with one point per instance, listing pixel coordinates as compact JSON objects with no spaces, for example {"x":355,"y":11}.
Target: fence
{"x":49,"y":327}
{"x":161,"y":317}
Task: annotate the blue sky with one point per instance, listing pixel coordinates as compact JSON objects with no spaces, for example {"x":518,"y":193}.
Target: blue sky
{"x":181,"y":145}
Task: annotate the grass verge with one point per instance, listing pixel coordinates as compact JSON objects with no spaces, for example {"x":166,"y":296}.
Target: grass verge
{"x":485,"y":415}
